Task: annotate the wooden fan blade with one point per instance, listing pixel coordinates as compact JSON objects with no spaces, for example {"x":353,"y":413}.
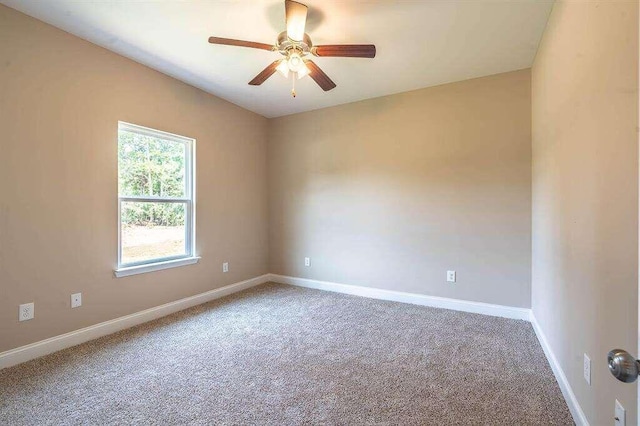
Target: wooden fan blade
{"x":319,"y":76}
{"x":346,"y":50}
{"x":241,"y":43}
{"x":265,"y":73}
{"x":296,"y":19}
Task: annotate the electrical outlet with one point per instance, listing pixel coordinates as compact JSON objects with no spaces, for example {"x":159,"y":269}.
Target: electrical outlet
{"x":26,"y":312}
{"x":587,"y":369}
{"x":451,"y":276}
{"x":307,"y":261}
{"x":225,"y":267}
{"x":76,"y":300}
{"x":620,"y":417}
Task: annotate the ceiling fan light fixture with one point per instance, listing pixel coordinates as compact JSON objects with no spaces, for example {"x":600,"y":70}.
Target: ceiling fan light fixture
{"x":303,"y":71}
{"x":295,"y":62}
{"x":283,"y":69}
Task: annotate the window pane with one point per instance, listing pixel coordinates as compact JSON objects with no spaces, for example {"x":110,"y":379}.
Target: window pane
{"x":152,"y":230}
{"x":150,"y":166}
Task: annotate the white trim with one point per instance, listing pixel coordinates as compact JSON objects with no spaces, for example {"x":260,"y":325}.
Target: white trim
{"x":576,"y":411}
{"x":154,"y":199}
{"x":155,"y":133}
{"x":158,"y":266}
{"x":415,"y":299}
{"x":191,"y":216}
{"x":53,"y":344}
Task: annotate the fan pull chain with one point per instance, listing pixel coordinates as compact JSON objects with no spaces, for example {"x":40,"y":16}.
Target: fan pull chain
{"x":293,"y":84}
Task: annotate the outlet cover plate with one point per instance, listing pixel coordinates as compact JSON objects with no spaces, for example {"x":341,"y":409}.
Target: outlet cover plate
{"x":26,"y":312}
{"x":76,"y":300}
{"x":451,"y":276}
{"x":620,"y":415}
{"x":225,"y":267}
{"x":307,"y":261}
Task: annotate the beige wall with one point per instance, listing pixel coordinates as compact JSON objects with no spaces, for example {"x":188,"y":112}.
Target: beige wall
{"x":60,"y":102}
{"x":585,"y":194}
{"x":393,"y":192}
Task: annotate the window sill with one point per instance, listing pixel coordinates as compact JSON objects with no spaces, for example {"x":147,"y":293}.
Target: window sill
{"x":150,"y":267}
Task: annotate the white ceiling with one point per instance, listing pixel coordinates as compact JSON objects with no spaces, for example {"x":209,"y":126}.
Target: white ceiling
{"x":419,"y":43}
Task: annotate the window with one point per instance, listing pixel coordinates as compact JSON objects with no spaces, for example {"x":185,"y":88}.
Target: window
{"x":155,"y":200}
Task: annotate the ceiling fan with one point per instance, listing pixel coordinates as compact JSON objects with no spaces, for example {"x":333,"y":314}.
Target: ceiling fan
{"x":295,"y":45}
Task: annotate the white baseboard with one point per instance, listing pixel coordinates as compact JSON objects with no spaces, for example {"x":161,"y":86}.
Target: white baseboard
{"x":458,"y":305}
{"x":415,"y":299}
{"x":53,"y":344}
{"x":576,"y":411}
{"x":44,"y":347}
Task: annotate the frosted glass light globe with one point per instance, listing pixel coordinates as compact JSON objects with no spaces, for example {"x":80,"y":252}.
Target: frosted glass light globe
{"x":295,"y":62}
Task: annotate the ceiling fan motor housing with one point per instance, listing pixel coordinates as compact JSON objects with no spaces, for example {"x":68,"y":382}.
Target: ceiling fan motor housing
{"x":285,"y":45}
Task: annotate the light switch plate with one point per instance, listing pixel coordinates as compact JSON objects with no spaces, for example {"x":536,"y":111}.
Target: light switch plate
{"x":76,"y":300}
{"x":620,"y":418}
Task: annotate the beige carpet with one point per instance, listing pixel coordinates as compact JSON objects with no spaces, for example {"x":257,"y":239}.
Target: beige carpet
{"x":280,"y":355}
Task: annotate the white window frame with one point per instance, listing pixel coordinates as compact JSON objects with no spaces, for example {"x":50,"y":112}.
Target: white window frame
{"x":189,"y":200}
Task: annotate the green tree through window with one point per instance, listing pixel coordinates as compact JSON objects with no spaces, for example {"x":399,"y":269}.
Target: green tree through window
{"x":151,"y":167}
